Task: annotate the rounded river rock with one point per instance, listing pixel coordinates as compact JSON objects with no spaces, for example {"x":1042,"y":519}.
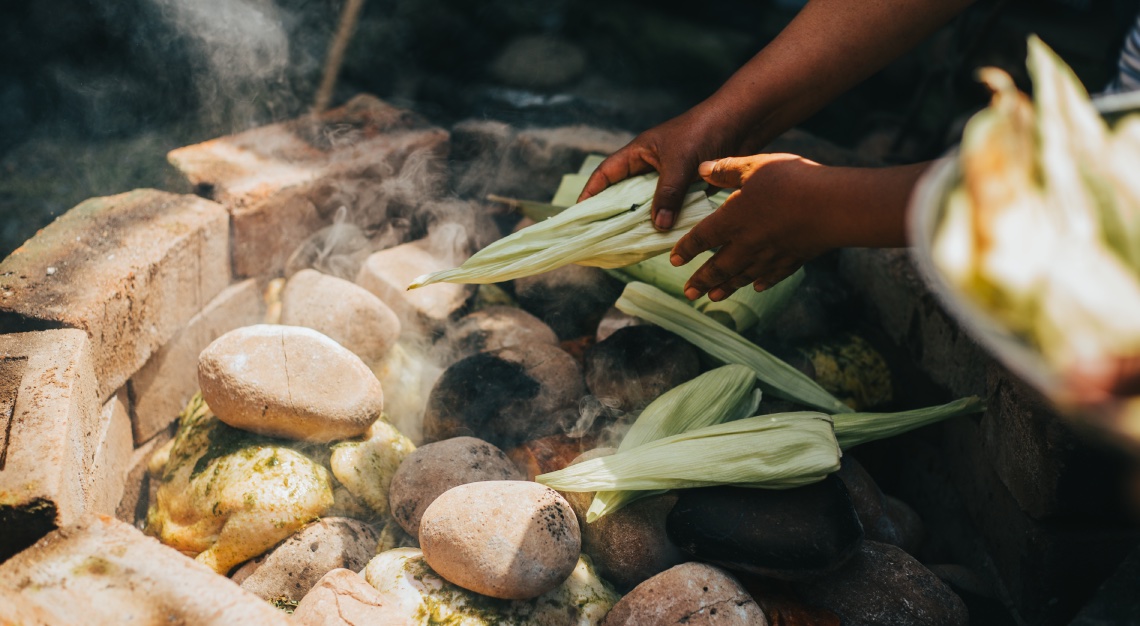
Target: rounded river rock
{"x":694,"y":594}
{"x":348,"y":313}
{"x":288,"y":381}
{"x":437,"y":467}
{"x":505,"y":539}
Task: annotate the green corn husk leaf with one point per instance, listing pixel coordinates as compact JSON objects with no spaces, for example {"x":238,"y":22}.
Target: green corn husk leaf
{"x":589,"y":164}
{"x":747,"y":308}
{"x":611,"y":229}
{"x":569,"y":189}
{"x":572,"y":184}
{"x":721,"y":395}
{"x":768,"y":451}
{"x":719,"y":197}
{"x":539,"y":211}
{"x":775,"y":376}
{"x":852,"y":429}
{"x":744,"y":309}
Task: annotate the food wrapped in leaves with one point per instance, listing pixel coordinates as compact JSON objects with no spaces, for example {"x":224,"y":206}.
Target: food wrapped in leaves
{"x":611,"y":229}
{"x":1044,"y":231}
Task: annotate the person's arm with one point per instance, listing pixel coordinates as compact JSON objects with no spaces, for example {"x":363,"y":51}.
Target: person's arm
{"x":786,"y":211}
{"x":829,"y":47}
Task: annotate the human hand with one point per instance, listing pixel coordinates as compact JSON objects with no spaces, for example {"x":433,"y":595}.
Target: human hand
{"x":786,"y":211}
{"x":766,"y":230}
{"x":674,"y":149}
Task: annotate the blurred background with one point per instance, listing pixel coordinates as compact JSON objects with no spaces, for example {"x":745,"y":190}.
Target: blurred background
{"x":93,"y":93}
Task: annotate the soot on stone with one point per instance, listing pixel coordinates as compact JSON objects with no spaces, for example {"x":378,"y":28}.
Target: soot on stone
{"x":788,"y":534}
{"x":636,"y":364}
{"x":505,"y":397}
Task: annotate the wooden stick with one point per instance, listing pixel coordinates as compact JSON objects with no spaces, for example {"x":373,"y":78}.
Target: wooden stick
{"x":348,"y":18}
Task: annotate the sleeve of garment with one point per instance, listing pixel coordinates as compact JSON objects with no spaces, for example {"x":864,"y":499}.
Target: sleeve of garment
{"x":1128,"y":68}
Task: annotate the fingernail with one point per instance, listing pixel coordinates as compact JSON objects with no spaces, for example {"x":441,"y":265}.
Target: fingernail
{"x":664,"y":219}
{"x":716,"y":295}
{"x":676,"y":260}
{"x":692,"y":293}
{"x":705,"y":168}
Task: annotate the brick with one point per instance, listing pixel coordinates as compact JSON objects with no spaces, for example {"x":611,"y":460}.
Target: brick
{"x":492,"y":157}
{"x":112,"y":455}
{"x":548,"y":153}
{"x":135,"y":500}
{"x":130,"y":270}
{"x":1047,"y":468}
{"x":1042,"y":570}
{"x":102,"y":571}
{"x":1048,"y":568}
{"x":388,"y":273}
{"x":284,"y":181}
{"x":163,"y":386}
{"x":49,"y":422}
{"x":899,"y":302}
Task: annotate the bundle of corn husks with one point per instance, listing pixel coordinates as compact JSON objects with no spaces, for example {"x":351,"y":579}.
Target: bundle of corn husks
{"x":697,"y":435}
{"x":742,"y":310}
{"x":611,"y":229}
{"x":1044,"y":229}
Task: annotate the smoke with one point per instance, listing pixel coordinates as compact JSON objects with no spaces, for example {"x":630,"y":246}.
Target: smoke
{"x":337,"y":250}
{"x":248,"y":60}
{"x":407,"y":374}
{"x":600,"y":417}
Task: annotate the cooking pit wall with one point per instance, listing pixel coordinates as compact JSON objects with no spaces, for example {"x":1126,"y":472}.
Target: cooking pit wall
{"x":1006,"y":516}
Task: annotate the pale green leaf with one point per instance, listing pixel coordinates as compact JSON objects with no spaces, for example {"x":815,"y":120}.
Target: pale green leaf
{"x":775,"y":376}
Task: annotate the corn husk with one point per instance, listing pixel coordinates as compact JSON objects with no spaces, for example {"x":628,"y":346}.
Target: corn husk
{"x":852,"y":429}
{"x":724,"y":394}
{"x":572,"y":184}
{"x":744,"y":309}
{"x":611,"y":229}
{"x":719,"y":197}
{"x":569,"y":189}
{"x":768,"y":451}
{"x":776,"y":377}
{"x":1044,"y":232}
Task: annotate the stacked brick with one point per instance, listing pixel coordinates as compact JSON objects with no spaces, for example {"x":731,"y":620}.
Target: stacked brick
{"x":103,"y":314}
{"x":1045,"y":502}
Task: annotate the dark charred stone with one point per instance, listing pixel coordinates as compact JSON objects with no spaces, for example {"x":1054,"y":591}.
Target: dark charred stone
{"x":884,"y":518}
{"x":571,"y":299}
{"x":491,"y":329}
{"x":882,"y":586}
{"x":636,"y":364}
{"x":630,"y":545}
{"x":788,"y":534}
{"x":504,"y":397}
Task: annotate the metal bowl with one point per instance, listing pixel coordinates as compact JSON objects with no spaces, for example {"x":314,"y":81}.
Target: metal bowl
{"x":1118,"y":418}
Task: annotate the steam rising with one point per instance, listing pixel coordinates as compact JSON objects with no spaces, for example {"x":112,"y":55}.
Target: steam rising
{"x":241,"y":58}
{"x":337,"y":250}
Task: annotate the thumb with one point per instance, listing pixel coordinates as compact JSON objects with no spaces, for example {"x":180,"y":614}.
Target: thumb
{"x":728,"y":173}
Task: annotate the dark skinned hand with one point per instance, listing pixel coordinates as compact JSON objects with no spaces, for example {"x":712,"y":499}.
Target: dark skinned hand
{"x":673,"y":149}
{"x":786,"y":211}
{"x":765,"y":230}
